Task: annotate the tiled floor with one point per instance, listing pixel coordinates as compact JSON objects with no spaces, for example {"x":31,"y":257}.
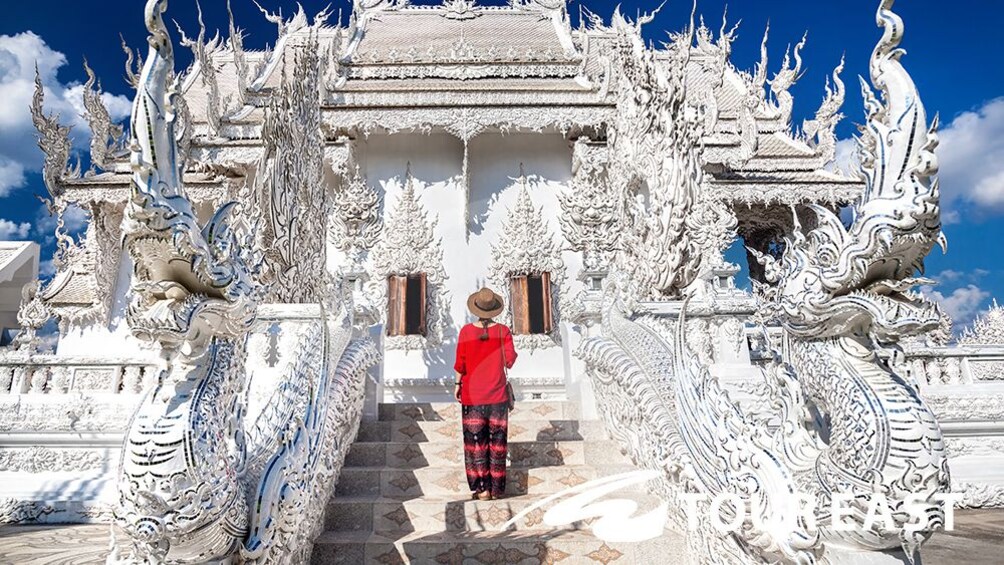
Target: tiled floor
{"x":978,"y":538}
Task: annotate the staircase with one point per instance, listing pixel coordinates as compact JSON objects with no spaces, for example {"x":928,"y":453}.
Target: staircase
{"x":403,"y":496}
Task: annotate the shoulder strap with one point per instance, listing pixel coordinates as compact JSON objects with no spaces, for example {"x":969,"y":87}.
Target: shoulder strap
{"x":505,"y":370}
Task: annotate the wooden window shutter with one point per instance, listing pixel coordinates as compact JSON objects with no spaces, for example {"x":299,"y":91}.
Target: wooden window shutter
{"x":396,"y":307}
{"x":545,"y":282}
{"x":423,"y":326}
{"x":520,"y":310}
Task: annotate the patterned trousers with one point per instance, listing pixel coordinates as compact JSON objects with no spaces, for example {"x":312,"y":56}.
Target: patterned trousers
{"x":486,"y":431}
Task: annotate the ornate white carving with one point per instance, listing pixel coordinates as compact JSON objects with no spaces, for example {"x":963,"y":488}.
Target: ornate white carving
{"x":786,"y":78}
{"x":38,"y":459}
{"x":987,"y":328}
{"x":31,"y":316}
{"x":820,"y":132}
{"x":655,"y":164}
{"x":526,"y":246}
{"x":591,"y":212}
{"x":236,"y":42}
{"x":107,"y":142}
{"x":15,"y":511}
{"x":838,"y":291}
{"x":131,"y":72}
{"x":81,"y":292}
{"x":978,"y":495}
{"x":203,"y":52}
{"x":196,"y":482}
{"x":54,"y":141}
{"x":409,"y":245}
{"x":74,"y":412}
{"x":459,"y":9}
{"x":465,"y":123}
{"x":357,"y":223}
{"x":297,"y":204}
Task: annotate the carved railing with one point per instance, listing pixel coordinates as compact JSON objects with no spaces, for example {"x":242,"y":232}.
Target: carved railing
{"x":955,"y":365}
{"x":53,"y":374}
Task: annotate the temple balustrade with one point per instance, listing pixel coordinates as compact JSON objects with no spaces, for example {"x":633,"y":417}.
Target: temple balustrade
{"x":955,"y":365}
{"x":59,"y":375}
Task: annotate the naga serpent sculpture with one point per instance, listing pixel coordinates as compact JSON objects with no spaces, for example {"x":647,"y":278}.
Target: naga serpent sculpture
{"x":198,"y":484}
{"x":844,"y":424}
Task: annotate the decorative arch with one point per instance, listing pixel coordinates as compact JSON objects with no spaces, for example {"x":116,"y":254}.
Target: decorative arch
{"x":409,"y":245}
{"x":526,"y":246}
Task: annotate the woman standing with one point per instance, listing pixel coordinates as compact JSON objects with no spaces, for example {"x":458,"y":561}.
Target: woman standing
{"x":484,"y":353}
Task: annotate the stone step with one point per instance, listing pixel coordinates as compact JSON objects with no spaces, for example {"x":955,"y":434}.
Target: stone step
{"x":373,"y":513}
{"x":450,"y":411}
{"x":523,"y":430}
{"x":512,"y":547}
{"x":415,"y":455}
{"x":411,"y":483}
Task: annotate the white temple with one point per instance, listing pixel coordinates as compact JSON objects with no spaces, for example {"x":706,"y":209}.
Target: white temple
{"x":385,"y":170}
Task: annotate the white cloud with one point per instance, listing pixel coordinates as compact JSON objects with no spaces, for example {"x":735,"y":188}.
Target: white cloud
{"x":47,"y":268}
{"x":13,"y":231}
{"x":963,"y":304}
{"x":971,"y":159}
{"x":846,"y":159}
{"x":951,"y":275}
{"x":18,"y":150}
{"x":74,"y":219}
{"x":971,"y":155}
{"x":11,"y":175}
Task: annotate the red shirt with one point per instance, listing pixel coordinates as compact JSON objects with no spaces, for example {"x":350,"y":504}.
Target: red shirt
{"x":479,"y":363}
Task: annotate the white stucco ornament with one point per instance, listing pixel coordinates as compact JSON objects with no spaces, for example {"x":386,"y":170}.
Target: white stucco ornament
{"x":199,"y":480}
{"x":526,"y":246}
{"x":837,"y":291}
{"x":411,"y":246}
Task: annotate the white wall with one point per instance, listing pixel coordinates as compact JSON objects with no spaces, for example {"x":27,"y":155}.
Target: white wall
{"x":437,"y":165}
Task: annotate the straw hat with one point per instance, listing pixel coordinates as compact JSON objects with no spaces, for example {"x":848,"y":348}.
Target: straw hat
{"x":485,"y":303}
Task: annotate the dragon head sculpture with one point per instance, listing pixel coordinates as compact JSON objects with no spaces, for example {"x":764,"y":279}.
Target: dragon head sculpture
{"x":188,"y":277}
{"x":839,"y":280}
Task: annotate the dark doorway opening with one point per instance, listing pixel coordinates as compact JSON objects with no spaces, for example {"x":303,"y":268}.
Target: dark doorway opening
{"x":531,"y":304}
{"x":414,"y":323}
{"x":406,"y":304}
{"x":535,"y":303}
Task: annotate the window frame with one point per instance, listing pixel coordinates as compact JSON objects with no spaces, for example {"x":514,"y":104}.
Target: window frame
{"x":397,"y":305}
{"x":519,"y":293}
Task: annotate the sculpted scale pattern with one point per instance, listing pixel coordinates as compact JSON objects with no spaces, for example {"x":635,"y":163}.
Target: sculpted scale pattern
{"x":837,"y":291}
{"x":197,"y":483}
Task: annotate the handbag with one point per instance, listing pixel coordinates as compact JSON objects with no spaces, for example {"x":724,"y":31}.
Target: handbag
{"x":510,"y":394}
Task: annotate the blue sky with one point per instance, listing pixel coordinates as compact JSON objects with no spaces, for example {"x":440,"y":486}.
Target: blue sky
{"x":954,"y":53}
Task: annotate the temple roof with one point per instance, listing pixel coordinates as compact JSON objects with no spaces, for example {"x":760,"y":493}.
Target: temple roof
{"x":18,"y":266}
{"x":431,"y":34}
{"x":467,"y":69}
